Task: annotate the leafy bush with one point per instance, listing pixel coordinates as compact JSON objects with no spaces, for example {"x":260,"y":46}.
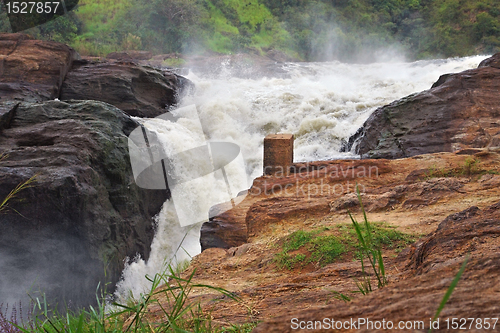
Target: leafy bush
{"x":312,"y":29}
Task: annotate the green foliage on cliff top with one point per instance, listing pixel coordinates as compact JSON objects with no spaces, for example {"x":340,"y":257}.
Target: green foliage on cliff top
{"x":349,"y":30}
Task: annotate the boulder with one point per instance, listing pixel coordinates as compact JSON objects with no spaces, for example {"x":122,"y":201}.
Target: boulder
{"x":32,"y":70}
{"x":493,"y":61}
{"x":83,"y":214}
{"x":137,"y":90}
{"x":223,"y":231}
{"x":130,"y":55}
{"x":460,"y":111}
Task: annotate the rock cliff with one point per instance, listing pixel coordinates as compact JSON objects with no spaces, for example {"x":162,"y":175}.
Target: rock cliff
{"x":83,"y":214}
{"x":137,"y":90}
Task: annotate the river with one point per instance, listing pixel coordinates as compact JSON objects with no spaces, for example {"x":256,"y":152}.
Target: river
{"x":322,"y":104}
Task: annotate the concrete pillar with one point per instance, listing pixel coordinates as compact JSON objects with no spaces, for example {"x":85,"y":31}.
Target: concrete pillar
{"x":278,"y":154}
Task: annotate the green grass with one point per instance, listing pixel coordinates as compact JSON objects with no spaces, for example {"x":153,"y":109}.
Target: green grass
{"x":177,"y":312}
{"x":450,"y":290}
{"x":469,"y":168}
{"x":4,"y":204}
{"x":369,"y":248}
{"x":326,"y":245}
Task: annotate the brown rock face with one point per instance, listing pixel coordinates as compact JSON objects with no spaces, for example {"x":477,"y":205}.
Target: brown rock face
{"x":138,"y":91}
{"x":430,"y":267}
{"x":493,"y":61}
{"x":459,"y":111}
{"x":443,"y":195}
{"x":84,"y":213}
{"x":32,"y":70}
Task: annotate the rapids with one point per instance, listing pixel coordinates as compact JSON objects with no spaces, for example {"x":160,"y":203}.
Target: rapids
{"x":322,"y":104}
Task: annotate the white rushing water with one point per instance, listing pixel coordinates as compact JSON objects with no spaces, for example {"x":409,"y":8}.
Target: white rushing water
{"x":321,"y":104}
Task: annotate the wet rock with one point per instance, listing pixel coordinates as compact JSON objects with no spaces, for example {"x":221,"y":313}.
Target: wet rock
{"x":460,"y":111}
{"x":32,"y":70}
{"x":84,"y":213}
{"x":137,"y":90}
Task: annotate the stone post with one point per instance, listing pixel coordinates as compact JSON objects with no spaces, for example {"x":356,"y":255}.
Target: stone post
{"x":278,"y":154}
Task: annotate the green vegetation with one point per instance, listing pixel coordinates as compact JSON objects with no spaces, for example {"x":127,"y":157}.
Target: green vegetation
{"x":177,"y":313}
{"x":469,"y":168}
{"x":449,"y":291}
{"x":371,"y":249}
{"x":326,"y":245}
{"x":4,"y":204}
{"x":347,"y":30}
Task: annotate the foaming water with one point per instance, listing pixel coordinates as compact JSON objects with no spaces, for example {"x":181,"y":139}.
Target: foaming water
{"x":322,"y":104}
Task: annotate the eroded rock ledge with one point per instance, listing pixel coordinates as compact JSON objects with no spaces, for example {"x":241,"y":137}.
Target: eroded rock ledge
{"x":454,"y":208}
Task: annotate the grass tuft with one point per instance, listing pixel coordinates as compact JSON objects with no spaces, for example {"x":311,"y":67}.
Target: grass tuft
{"x":324,"y":246}
{"x":177,"y":312}
{"x":469,"y":168}
{"x":370,"y":249}
{"x":4,"y":204}
{"x":449,"y":291}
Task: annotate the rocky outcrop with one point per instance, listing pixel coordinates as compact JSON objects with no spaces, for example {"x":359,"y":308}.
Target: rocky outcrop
{"x":130,"y":55}
{"x":35,"y":71}
{"x":84,"y":213}
{"x":137,"y":90}
{"x":493,"y":61}
{"x":32,"y":70}
{"x":436,"y":195}
{"x":296,"y":195}
{"x":459,"y":111}
{"x":431,"y":265}
{"x":223,"y":231}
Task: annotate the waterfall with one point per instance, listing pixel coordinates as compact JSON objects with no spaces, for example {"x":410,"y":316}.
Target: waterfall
{"x":320,"y":103}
